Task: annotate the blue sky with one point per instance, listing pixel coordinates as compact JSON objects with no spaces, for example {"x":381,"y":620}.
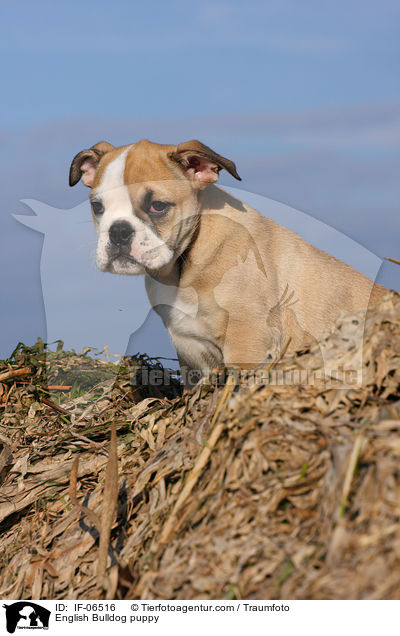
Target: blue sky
{"x":127,"y":59}
{"x":304,"y":97}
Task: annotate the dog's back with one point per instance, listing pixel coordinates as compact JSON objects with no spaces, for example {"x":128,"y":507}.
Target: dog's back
{"x":299,"y":289}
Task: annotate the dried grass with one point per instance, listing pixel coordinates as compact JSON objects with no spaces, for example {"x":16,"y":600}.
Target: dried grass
{"x":225,"y":492}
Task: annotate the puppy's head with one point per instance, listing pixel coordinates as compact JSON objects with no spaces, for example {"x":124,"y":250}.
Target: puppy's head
{"x":144,"y":199}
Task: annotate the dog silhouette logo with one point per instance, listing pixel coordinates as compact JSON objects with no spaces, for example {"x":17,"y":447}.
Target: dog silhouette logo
{"x":26,"y":615}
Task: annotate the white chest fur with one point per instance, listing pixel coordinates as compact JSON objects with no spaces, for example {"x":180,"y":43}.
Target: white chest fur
{"x":189,"y":331}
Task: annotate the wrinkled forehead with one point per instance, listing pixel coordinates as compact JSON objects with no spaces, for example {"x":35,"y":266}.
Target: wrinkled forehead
{"x":135,"y":164}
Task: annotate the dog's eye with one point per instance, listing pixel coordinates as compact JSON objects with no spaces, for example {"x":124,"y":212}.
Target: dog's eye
{"x":97,"y":207}
{"x":158,"y":207}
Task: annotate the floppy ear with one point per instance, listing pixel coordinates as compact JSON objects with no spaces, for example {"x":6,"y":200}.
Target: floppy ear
{"x":84,"y":164}
{"x":200,"y":163}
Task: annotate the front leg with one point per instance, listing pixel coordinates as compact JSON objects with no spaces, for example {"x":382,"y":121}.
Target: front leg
{"x":198,"y":357}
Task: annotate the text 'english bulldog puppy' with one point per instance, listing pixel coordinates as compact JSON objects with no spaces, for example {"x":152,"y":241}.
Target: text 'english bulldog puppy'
{"x":232,"y":287}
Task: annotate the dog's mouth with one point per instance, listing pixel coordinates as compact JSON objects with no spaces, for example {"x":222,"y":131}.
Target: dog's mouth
{"x":120,"y":259}
{"x":120,"y":262}
{"x":124,"y":258}
{"x":120,"y":254}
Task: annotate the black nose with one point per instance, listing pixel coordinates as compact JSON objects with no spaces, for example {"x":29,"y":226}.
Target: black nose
{"x":121,"y":233}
